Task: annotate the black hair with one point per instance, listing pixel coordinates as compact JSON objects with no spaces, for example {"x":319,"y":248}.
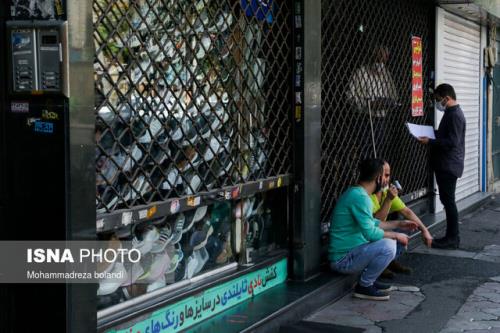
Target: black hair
{"x":370,"y":169}
{"x":445,"y":90}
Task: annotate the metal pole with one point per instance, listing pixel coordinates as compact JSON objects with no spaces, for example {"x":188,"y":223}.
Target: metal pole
{"x":81,"y":212}
{"x":306,"y":229}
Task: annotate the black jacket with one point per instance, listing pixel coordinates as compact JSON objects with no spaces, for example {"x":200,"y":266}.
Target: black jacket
{"x":448,"y":149}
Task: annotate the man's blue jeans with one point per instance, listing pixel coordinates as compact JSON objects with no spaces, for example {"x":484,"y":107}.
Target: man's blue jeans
{"x":370,"y":259}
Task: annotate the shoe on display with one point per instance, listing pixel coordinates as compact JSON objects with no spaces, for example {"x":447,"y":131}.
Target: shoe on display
{"x":199,"y":237}
{"x":134,"y":271}
{"x":248,"y":207}
{"x":204,"y":46}
{"x":108,"y":201}
{"x":370,"y":293}
{"x":154,"y":128}
{"x":159,"y":283}
{"x":213,"y":148}
{"x":176,"y":255}
{"x":193,"y":216}
{"x":155,"y":266}
{"x":179,"y":273}
{"x":194,"y":184}
{"x":165,"y":238}
{"x":148,"y":238}
{"x":109,"y":286}
{"x":201,"y":259}
{"x":179,"y":223}
{"x":190,"y":267}
{"x":214,"y":247}
{"x":203,"y":127}
{"x":158,"y":153}
{"x":140,"y":187}
{"x":226,"y":164}
{"x":172,"y":180}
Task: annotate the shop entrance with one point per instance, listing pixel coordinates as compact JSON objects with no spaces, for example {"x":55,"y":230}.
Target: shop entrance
{"x":367,"y":62}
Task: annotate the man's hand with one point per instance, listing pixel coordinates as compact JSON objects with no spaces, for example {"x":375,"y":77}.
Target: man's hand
{"x":402,"y":238}
{"x":423,"y":139}
{"x":392,"y":192}
{"x":408,"y":225}
{"x":427,"y":237}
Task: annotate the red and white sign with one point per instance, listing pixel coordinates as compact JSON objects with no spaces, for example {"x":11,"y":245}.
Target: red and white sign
{"x":417,"y":92}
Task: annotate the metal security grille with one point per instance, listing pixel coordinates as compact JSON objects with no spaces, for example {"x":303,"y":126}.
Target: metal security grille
{"x":192,"y":96}
{"x":367,"y":65}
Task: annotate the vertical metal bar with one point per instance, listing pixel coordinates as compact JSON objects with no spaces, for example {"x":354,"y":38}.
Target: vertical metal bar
{"x":306,"y":242}
{"x":81,"y":213}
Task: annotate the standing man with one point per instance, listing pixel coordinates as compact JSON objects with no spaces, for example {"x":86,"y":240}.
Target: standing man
{"x":447,"y":160}
{"x":360,"y":243}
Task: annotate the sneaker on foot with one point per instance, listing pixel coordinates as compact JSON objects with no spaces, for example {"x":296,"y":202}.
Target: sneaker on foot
{"x":383,"y":287}
{"x":370,"y":293}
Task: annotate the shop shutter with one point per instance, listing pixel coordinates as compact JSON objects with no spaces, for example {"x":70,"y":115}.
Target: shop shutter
{"x":458,"y":63}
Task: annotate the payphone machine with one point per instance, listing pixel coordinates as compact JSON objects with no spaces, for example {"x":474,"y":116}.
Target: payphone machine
{"x":35,"y":157}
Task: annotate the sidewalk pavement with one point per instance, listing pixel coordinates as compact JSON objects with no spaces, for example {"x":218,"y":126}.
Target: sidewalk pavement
{"x":449,"y":290}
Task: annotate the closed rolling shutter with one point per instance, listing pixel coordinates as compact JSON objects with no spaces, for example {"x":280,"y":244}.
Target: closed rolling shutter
{"x":459,"y":65}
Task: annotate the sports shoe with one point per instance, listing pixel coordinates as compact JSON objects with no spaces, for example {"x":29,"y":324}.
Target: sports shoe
{"x":199,"y":237}
{"x":156,"y":266}
{"x":176,"y":255}
{"x":165,"y":238}
{"x":383,"y":287}
{"x":159,"y":283}
{"x":179,"y":223}
{"x":109,"y":286}
{"x":145,"y":242}
{"x":214,"y":248}
{"x":134,"y":271}
{"x":194,"y":216}
{"x":370,"y":293}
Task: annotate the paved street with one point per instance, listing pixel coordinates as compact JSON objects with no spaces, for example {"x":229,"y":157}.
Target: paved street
{"x":449,"y":290}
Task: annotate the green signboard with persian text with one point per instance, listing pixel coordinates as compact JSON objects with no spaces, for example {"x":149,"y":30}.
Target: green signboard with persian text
{"x":192,"y":310}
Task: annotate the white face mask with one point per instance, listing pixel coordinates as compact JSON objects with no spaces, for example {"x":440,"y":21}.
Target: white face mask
{"x":379,"y":67}
{"x":439,"y":106}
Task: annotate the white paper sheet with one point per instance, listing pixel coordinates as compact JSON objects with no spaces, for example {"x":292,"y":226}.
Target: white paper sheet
{"x":421,"y":130}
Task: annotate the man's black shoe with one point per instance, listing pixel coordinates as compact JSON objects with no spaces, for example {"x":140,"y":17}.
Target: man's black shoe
{"x":370,"y":293}
{"x":399,"y":268}
{"x":387,"y":274}
{"x":446,"y":243}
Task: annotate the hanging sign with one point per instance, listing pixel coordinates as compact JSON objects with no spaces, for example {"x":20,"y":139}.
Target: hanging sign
{"x":417,"y":92}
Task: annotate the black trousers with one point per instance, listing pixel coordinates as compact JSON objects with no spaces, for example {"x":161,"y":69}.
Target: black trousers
{"x":447,"y":183}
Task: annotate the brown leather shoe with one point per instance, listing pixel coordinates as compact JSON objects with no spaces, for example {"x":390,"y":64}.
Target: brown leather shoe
{"x":398,"y":268}
{"x":387,"y":274}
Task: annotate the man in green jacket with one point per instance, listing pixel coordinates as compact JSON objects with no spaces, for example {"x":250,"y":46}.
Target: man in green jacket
{"x":360,"y":243}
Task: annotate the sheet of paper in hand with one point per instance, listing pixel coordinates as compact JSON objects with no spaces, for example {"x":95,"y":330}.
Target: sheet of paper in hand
{"x":421,"y":130}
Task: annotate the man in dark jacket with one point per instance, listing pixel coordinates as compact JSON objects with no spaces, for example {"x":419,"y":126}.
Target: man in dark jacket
{"x":447,"y":160}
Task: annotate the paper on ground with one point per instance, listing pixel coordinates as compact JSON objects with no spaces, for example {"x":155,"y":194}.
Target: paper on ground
{"x":421,"y":130}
